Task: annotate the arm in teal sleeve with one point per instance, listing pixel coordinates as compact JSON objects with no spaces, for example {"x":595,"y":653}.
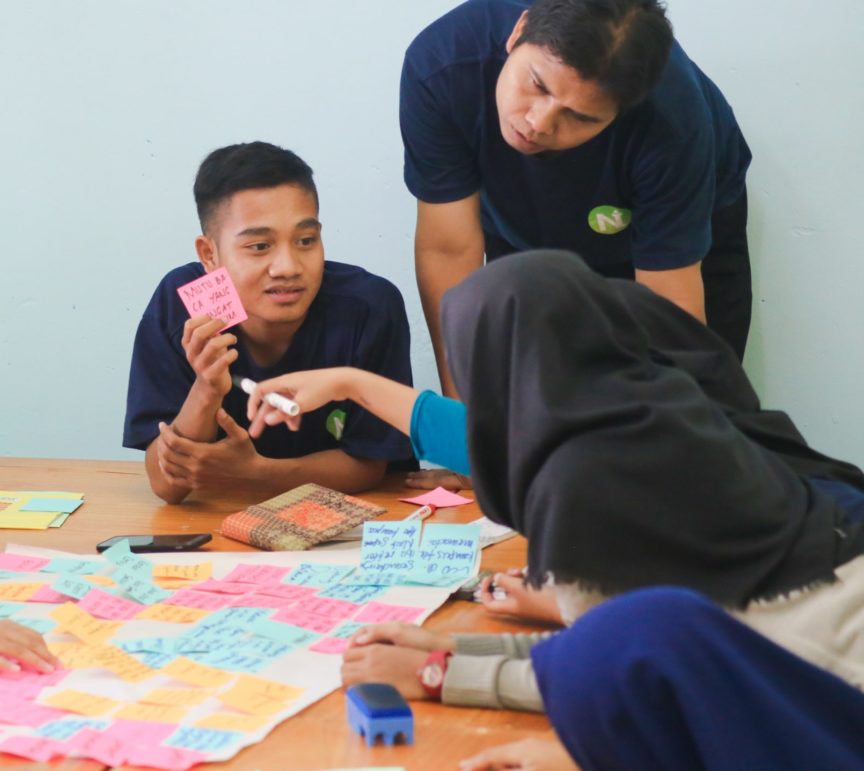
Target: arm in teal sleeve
{"x":438,"y":432}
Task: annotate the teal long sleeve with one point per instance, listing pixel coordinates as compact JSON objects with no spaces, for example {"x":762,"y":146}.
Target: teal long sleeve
{"x":438,"y":432}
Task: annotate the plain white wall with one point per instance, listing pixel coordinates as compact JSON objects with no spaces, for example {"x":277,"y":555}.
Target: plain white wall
{"x":109,"y":106}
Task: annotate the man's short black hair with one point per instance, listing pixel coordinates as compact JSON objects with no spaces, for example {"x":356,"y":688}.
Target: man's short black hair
{"x":623,"y":45}
{"x":248,"y":166}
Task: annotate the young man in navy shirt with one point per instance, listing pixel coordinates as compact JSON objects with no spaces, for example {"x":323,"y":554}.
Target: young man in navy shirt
{"x":258,"y":208}
{"x":577,"y":124}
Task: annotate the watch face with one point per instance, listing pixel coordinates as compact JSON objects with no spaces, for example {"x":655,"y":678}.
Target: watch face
{"x":433,"y":675}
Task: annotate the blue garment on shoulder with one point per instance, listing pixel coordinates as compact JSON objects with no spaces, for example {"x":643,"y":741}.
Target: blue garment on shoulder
{"x":438,"y":432}
{"x":665,"y":679}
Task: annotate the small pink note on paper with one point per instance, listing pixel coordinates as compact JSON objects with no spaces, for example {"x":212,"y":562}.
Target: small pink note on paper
{"x":337,"y":645}
{"x":105,"y":605}
{"x":21,"y":563}
{"x":46,"y":594}
{"x":257,"y":574}
{"x":31,"y":747}
{"x":213,"y":295}
{"x":189,"y":598}
{"x":302,"y":618}
{"x":171,"y":758}
{"x":376,"y":612}
{"x":438,"y":498}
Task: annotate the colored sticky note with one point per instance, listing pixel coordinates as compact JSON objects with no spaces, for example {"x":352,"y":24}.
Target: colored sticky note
{"x":232,"y":660}
{"x":169,"y":758}
{"x":305,"y":619}
{"x":389,"y":547}
{"x":46,"y":593}
{"x":157,"y":713}
{"x":81,"y":703}
{"x":109,"y":606}
{"x":448,"y":554}
{"x":41,"y":625}
{"x":438,"y":498}
{"x":231,"y":721}
{"x":190,"y":598}
{"x":331,"y":645}
{"x":195,"y":572}
{"x":22,"y":563}
{"x":90,"y":630}
{"x":125,"y":666}
{"x":191,"y":672}
{"x":121,"y":556}
{"x":359,"y":595}
{"x":16,"y":520}
{"x":71,"y":586}
{"x":17,"y":592}
{"x":173,"y":614}
{"x":178,"y":697}
{"x":325,"y":606}
{"x":203,"y":739}
{"x":78,"y":567}
{"x":31,"y":747}
{"x":67,"y":728}
{"x":258,"y":696}
{"x":213,"y":295}
{"x":147,"y":645}
{"x":57,"y":505}
{"x":378,"y":612}
{"x":224,"y":587}
{"x":258,"y":574}
{"x":139,"y":586}
{"x":140,"y":731}
{"x":263,"y":601}
{"x":262,"y":646}
{"x":98,"y":746}
{"x":309,"y":574}
{"x":286,"y":633}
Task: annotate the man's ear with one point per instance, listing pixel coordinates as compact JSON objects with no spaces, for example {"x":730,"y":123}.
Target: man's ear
{"x":516,"y":33}
{"x":207,"y":253}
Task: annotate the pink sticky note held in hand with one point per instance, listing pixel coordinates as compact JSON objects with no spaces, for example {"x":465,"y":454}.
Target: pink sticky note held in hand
{"x":213,"y":295}
{"x":438,"y":498}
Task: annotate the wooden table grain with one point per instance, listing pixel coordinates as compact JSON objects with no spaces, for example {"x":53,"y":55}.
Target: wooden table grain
{"x":118,"y":501}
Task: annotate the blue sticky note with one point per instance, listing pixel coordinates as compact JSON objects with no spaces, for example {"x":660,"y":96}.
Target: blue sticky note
{"x":202,"y":739}
{"x":346,"y":630}
{"x":389,"y":547}
{"x":41,"y":625}
{"x":448,"y":554}
{"x":61,"y":730}
{"x":263,"y":647}
{"x":139,"y":586}
{"x":78,"y":567}
{"x":72,"y":586}
{"x":8,"y":608}
{"x":359,"y":595}
{"x":157,"y":660}
{"x":58,"y":505}
{"x":292,"y":635}
{"x":309,"y":574}
{"x":148,"y":645}
{"x":230,"y":660}
{"x":122,"y":557}
{"x":233,"y":616}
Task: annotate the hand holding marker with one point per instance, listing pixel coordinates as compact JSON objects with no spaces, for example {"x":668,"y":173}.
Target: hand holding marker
{"x":277,"y":401}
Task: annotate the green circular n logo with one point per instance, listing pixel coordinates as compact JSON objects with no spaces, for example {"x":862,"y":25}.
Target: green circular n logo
{"x":609,"y":220}
{"x":336,"y":424}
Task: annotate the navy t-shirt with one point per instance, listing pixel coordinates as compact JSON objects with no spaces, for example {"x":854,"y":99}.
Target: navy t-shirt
{"x":357,"y":319}
{"x":640,"y":193}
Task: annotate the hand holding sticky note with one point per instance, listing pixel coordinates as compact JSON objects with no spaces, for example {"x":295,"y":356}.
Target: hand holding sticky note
{"x":214,"y":295}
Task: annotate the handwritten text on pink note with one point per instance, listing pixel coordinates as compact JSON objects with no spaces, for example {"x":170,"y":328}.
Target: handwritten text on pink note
{"x":376,"y":612}
{"x":189,"y":598}
{"x":213,"y":295}
{"x":22,"y":563}
{"x":257,"y":574}
{"x":302,"y":618}
{"x":325,"y":606}
{"x":104,"y":605}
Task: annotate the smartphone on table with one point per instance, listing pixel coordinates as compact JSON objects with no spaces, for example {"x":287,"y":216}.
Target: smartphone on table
{"x":154,"y":543}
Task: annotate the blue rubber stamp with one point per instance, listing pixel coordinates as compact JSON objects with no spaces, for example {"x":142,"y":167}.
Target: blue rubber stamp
{"x":377,"y":709}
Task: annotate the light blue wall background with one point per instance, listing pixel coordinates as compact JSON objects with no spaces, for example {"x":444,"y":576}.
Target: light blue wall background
{"x":109,"y":105}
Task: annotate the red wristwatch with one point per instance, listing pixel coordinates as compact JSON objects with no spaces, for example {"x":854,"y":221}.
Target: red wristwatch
{"x":431,"y":674}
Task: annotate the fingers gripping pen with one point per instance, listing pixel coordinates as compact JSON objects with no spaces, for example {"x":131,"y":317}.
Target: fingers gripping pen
{"x":278,"y":401}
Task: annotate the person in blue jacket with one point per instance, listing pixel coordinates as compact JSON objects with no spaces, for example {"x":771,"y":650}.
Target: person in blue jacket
{"x":580,"y":125}
{"x":623,"y":439}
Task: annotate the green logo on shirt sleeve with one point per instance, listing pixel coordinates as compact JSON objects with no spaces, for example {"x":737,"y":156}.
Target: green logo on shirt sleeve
{"x":336,"y":424}
{"x":609,"y":220}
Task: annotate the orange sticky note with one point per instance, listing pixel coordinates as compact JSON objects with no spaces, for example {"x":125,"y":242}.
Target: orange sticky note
{"x":101,"y":580}
{"x":155,"y":713}
{"x":232,"y":721}
{"x":196,"y":674}
{"x":177,"y":697}
{"x":174,"y":614}
{"x":80,"y":703}
{"x":74,"y":655}
{"x":197,"y":572}
{"x":85,"y":627}
{"x":123,"y":664}
{"x":18,"y":592}
{"x":258,"y":696}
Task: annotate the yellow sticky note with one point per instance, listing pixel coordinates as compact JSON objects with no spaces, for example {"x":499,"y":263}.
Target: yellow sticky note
{"x":178,"y":697}
{"x":197,"y":572}
{"x":18,"y":592}
{"x":194,"y":673}
{"x":231,"y":721}
{"x":85,"y":627}
{"x":174,"y":614}
{"x":75,"y":655}
{"x":123,"y":664}
{"x":172,"y":583}
{"x":13,"y":519}
{"x":155,"y":713}
{"x":81,"y":703}
{"x":258,"y":696}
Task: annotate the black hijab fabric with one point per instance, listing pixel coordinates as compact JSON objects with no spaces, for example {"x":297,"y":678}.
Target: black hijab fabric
{"x":622,"y":437}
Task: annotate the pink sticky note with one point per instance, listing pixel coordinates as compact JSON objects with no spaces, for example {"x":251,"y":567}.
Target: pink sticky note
{"x":337,"y":645}
{"x":29,"y":714}
{"x":299,"y":617}
{"x":213,"y":295}
{"x":189,"y":598}
{"x":376,"y":612}
{"x":98,"y":746}
{"x":287,"y":591}
{"x":170,"y":758}
{"x":328,"y":606}
{"x":439,"y":498}
{"x":21,"y":563}
{"x":257,"y":574}
{"x":224,"y":587}
{"x":139,"y":731}
{"x":261,"y":601}
{"x":32,"y":747}
{"x":104,"y":605}
{"x":46,"y":594}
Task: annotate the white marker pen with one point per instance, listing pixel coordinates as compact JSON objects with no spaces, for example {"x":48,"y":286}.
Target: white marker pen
{"x":421,"y":513}
{"x":274,"y":400}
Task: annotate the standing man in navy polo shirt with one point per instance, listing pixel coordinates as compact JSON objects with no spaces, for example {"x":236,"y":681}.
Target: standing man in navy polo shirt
{"x":576,"y":124}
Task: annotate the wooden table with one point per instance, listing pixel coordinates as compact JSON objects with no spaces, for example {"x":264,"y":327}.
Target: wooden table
{"x":118,"y":501}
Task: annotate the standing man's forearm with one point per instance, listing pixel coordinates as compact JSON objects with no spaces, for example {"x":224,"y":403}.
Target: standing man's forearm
{"x":448,"y":247}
